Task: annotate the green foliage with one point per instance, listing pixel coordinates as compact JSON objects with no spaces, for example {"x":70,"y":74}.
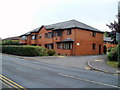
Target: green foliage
{"x":25,"y":50}
{"x":10,"y":42}
{"x":106,"y":34}
{"x":109,"y":49}
{"x":113,"y":53}
{"x":50,"y":52}
{"x":42,"y":51}
{"x":112,"y":63}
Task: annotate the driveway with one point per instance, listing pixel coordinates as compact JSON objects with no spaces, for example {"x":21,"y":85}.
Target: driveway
{"x":70,"y":61}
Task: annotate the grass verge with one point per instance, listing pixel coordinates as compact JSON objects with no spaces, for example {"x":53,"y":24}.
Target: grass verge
{"x":112,"y":63}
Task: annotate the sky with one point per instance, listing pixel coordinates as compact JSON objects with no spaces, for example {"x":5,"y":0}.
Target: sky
{"x":20,"y":16}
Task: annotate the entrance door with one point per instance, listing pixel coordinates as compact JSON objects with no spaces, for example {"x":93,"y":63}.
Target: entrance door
{"x":99,"y":49}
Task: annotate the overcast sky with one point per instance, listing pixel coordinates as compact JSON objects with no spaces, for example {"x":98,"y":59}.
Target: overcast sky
{"x":20,"y":16}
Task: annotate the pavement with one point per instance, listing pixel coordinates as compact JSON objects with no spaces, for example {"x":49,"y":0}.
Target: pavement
{"x":100,"y":65}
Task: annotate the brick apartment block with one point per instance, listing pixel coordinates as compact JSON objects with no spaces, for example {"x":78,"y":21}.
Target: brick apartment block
{"x":66,"y":38}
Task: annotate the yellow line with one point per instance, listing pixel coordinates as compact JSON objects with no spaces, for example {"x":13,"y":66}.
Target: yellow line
{"x":8,"y":82}
{"x":3,"y":77}
{"x":5,"y":84}
{"x":98,"y":60}
{"x":87,"y":68}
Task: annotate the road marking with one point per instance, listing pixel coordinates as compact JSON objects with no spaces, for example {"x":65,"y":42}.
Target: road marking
{"x":87,"y":68}
{"x":98,"y":60}
{"x":5,"y":84}
{"x":11,"y":83}
{"x":87,"y":80}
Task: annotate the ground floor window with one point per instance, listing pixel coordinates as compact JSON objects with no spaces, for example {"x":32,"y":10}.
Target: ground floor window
{"x":59,"y":46}
{"x":67,"y":45}
{"x":49,"y":46}
{"x":93,"y":46}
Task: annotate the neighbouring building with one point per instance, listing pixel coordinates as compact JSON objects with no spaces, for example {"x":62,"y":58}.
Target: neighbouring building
{"x":66,"y":38}
{"x":12,"y":38}
{"x":108,"y":42}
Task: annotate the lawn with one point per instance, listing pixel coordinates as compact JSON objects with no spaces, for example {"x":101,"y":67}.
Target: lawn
{"x":112,"y":63}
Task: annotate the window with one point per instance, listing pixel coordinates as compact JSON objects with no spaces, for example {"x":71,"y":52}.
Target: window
{"x":33,"y":37}
{"x":93,"y":46}
{"x":40,"y":36}
{"x":67,"y":46}
{"x":50,"y":35}
{"x":68,"y":31}
{"x":57,"y":33}
{"x":49,"y":46}
{"x":59,"y":45}
{"x":24,"y":37}
{"x":93,"y":34}
{"x":46,"y":35}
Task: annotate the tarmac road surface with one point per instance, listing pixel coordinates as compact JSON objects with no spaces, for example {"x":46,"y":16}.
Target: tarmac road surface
{"x":33,"y":74}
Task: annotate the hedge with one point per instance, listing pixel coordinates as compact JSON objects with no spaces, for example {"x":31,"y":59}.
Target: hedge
{"x":10,"y":42}
{"x":25,"y":50}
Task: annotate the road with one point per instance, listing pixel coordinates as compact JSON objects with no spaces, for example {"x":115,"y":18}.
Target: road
{"x":34,"y":74}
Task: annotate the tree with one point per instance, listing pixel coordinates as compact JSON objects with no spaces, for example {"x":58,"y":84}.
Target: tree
{"x":115,"y":27}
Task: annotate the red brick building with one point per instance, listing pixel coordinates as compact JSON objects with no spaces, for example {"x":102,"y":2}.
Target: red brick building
{"x":66,"y":38}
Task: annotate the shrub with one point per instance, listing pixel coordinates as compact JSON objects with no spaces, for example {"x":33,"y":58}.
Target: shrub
{"x":50,"y":52}
{"x":109,"y":49}
{"x":10,"y":42}
{"x":113,"y":54}
{"x":24,"y":50}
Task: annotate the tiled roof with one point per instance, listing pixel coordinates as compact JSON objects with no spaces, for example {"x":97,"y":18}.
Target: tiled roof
{"x":65,"y":25}
{"x":70,"y":24}
{"x":108,"y":39}
{"x":33,"y":31}
{"x":12,"y":38}
{"x":68,"y":40}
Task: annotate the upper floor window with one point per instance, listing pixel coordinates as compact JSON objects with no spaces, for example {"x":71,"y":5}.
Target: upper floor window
{"x":50,"y":35}
{"x":58,"y":33}
{"x":46,"y":35}
{"x":93,"y":34}
{"x":24,"y":37}
{"x":93,"y":46}
{"x":40,"y":36}
{"x":69,"y":31}
{"x":33,"y":37}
